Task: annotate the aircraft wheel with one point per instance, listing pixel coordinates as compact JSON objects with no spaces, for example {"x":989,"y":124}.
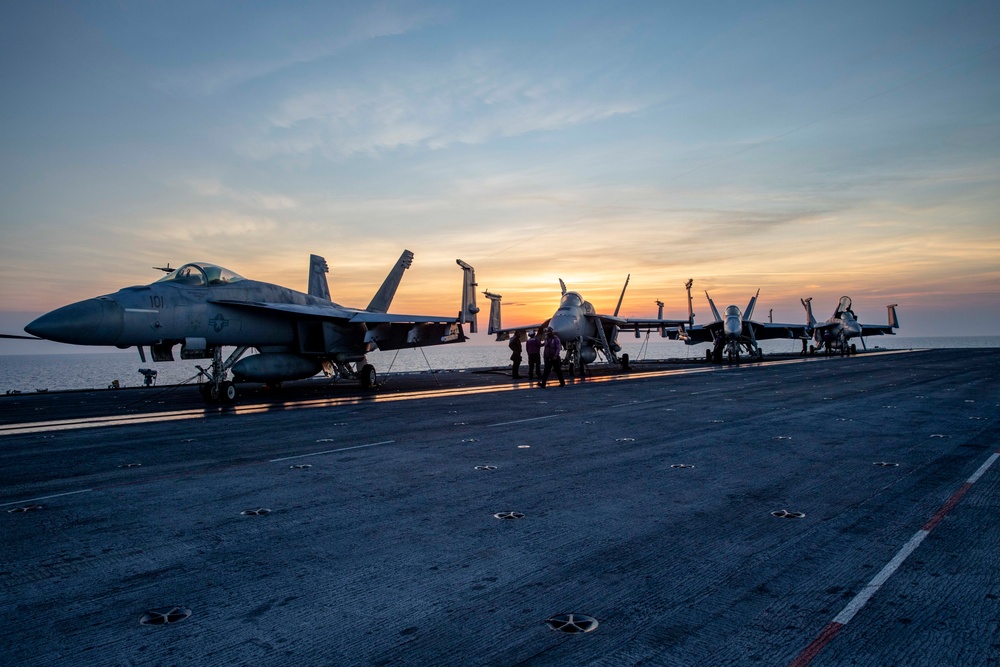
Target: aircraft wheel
{"x":760,"y":354}
{"x":214,"y":393}
{"x":228,"y":392}
{"x":812,"y":349}
{"x":708,"y":356}
{"x":203,"y":389}
{"x":854,"y":348}
{"x":367,"y":376}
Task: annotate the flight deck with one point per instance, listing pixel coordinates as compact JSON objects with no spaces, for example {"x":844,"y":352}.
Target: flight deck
{"x":800,"y":511}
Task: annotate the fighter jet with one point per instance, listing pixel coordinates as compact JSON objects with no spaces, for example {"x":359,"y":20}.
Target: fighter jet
{"x":836,"y":333}
{"x":736,"y":330}
{"x":582,"y":330}
{"x":203,"y":307}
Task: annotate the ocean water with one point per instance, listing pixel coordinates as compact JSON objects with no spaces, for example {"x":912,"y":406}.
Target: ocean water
{"x":29,"y":373}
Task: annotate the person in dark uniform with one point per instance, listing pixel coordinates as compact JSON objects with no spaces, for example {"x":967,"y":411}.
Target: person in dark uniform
{"x":551,"y":348}
{"x":534,"y":349}
{"x":515,"y":353}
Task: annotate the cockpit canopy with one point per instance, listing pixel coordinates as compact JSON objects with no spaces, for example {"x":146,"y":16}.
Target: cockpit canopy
{"x":201,"y":274}
{"x":732,"y":311}
{"x":571,"y":299}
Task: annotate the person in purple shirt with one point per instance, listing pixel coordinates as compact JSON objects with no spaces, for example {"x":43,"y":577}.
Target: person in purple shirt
{"x":551,"y":348}
{"x":534,"y":349}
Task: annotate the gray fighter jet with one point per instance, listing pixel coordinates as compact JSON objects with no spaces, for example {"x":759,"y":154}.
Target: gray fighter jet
{"x":729,"y":333}
{"x":203,"y":307}
{"x":836,"y":333}
{"x":583,"y":331}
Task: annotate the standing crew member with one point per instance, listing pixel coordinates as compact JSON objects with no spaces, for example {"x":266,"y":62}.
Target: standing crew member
{"x":534,"y":349}
{"x":550,"y":351}
{"x":515,"y":353}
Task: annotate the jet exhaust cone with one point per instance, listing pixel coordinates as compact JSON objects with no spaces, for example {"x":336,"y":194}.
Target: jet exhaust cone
{"x":90,"y":322}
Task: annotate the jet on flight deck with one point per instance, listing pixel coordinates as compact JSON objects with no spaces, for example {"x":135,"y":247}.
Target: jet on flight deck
{"x":582,"y":330}
{"x":736,"y":330}
{"x":836,"y":333}
{"x":203,"y":307}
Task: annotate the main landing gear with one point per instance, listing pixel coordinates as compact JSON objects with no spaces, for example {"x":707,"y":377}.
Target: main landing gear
{"x":217,"y":388}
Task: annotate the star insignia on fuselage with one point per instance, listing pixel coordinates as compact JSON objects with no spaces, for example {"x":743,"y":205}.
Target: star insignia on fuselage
{"x":219,"y":323}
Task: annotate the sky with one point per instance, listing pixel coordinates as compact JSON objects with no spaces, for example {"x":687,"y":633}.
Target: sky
{"x":806,"y":149}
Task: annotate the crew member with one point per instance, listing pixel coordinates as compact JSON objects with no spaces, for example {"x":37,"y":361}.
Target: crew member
{"x":515,"y":353}
{"x":534,"y":349}
{"x":550,"y":352}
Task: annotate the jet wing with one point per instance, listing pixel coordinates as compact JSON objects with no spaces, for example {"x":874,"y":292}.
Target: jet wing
{"x":325,"y":312}
{"x":390,"y":318}
{"x":334,"y":312}
{"x":611,"y":319}
{"x":877,"y":330}
{"x":700,"y":333}
{"x":504,"y":334}
{"x":639,"y":323}
{"x":773,"y":330}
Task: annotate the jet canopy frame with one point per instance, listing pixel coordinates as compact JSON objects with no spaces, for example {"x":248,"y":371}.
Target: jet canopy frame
{"x":201,"y":274}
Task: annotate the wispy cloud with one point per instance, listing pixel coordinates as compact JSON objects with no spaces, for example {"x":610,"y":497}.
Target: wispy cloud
{"x":331,"y":36}
{"x":471,"y":100}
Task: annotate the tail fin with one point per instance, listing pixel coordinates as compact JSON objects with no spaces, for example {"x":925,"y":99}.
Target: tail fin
{"x":619,"y":306}
{"x":382,"y":299}
{"x":715,"y":311}
{"x":495,"y":325}
{"x":687,"y":286}
{"x":807,"y":304}
{"x":562,"y":285}
{"x":318,"y":268}
{"x":748,"y":313}
{"x":659,"y":316}
{"x":469,"y":308}
{"x":893,"y":320}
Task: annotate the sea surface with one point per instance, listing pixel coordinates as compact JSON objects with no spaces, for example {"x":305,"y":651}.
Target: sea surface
{"x":29,"y":373}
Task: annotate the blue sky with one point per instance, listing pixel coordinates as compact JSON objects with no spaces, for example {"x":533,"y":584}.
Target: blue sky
{"x":807,"y":149}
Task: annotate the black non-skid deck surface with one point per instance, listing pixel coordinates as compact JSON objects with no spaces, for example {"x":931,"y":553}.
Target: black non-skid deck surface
{"x":648,"y":504}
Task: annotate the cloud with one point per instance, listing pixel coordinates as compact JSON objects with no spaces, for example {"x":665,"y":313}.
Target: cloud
{"x":324,"y":37}
{"x":472,"y":100}
{"x":213,"y":189}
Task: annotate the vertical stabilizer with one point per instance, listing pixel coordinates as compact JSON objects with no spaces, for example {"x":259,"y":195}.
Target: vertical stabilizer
{"x":715,"y":311}
{"x":620,"y":298}
{"x":469,"y":308}
{"x":318,"y":268}
{"x":562,"y":285}
{"x":495,"y":325}
{"x":893,"y":320}
{"x":659,"y":316}
{"x":383,"y":298}
{"x":687,"y":286}
{"x":807,"y":304}
{"x":748,"y":313}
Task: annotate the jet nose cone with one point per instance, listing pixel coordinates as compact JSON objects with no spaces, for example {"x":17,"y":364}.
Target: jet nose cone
{"x":733,"y":327}
{"x":90,"y":322}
